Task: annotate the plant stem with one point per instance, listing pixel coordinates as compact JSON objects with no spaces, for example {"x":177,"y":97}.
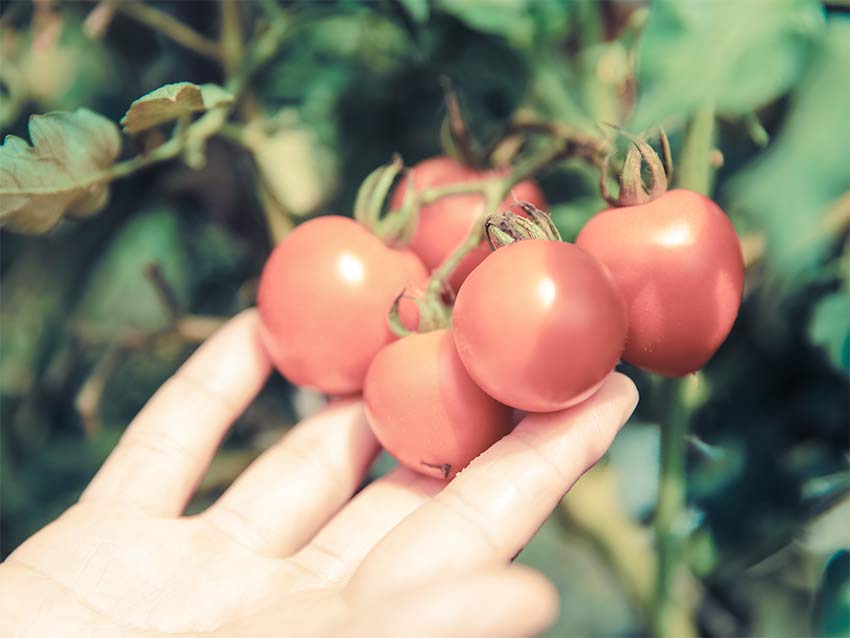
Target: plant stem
{"x":170,"y":27}
{"x":439,"y":278}
{"x":694,"y":169}
{"x":193,"y":137}
{"x":458,"y":131}
{"x":672,"y":618}
{"x":232,"y":45}
{"x":431,"y":195}
{"x":494,"y":191}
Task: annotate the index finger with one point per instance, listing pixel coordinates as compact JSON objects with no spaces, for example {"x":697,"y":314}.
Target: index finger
{"x":168,"y":446}
{"x":488,"y":513}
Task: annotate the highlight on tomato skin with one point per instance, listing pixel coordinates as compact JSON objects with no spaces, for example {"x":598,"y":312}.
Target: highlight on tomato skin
{"x":323,"y":299}
{"x":539,"y":325}
{"x":444,"y":224}
{"x":678,"y":262}
{"x":425,"y":409}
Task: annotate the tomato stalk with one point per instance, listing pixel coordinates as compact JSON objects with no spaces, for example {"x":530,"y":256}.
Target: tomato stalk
{"x":673,"y":617}
{"x":695,"y":170}
{"x":433,"y":314}
{"x":494,"y":192}
{"x":670,"y":617}
{"x":458,"y":135}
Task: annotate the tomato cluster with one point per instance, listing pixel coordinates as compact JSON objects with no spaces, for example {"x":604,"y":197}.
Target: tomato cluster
{"x":537,"y":324}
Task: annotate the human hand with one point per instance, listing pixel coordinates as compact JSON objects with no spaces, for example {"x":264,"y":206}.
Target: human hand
{"x":286,"y":550}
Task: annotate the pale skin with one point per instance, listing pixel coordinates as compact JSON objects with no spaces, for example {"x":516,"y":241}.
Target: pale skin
{"x":287,"y":551}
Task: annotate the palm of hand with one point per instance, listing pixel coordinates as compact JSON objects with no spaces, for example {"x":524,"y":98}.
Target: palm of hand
{"x":284,"y":551}
{"x":179,"y":576}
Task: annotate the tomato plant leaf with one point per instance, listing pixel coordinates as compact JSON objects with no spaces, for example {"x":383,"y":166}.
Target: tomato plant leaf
{"x":171,"y":102}
{"x":416,"y":9}
{"x":521,"y":22}
{"x":300,"y":187}
{"x":57,"y":174}
{"x":740,"y":55}
{"x":790,"y":188}
{"x":831,"y":613}
{"x":117,"y":296}
{"x":830,"y":328}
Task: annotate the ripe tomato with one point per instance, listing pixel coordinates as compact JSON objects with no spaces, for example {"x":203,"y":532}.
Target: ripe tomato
{"x":425,"y":409}
{"x":324,"y":297}
{"x":539,"y":324}
{"x":678,"y":263}
{"x":444,"y":224}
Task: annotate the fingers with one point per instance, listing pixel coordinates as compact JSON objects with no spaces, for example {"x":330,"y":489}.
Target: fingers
{"x":338,"y":549}
{"x":493,"y":508}
{"x":514,"y":601}
{"x":293,"y":488}
{"x":168,"y":446}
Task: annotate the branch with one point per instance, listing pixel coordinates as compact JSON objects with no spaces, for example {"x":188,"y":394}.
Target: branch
{"x":164,"y":291}
{"x":494,"y":191}
{"x":232,"y":44}
{"x":90,"y":396}
{"x":457,"y":126}
{"x":170,"y":27}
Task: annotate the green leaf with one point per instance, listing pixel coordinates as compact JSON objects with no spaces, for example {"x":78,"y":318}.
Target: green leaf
{"x":117,"y":296}
{"x":790,"y":188}
{"x":58,"y":174}
{"x":416,"y":9}
{"x":830,"y":328}
{"x":35,"y":291}
{"x":739,"y":55}
{"x":171,"y":102}
{"x":300,"y":187}
{"x":522,"y":22}
{"x":70,"y":70}
{"x":499,"y":17}
{"x":831,"y":615}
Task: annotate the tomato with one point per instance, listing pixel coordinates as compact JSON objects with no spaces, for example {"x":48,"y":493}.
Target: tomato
{"x":678,"y":263}
{"x":425,"y":409}
{"x":324,"y":297}
{"x":539,"y":325}
{"x":444,"y":224}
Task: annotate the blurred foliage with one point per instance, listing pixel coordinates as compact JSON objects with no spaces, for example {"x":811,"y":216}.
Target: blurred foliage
{"x":767,"y":482}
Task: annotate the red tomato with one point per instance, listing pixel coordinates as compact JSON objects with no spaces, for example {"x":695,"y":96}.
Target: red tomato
{"x":444,"y":224}
{"x":424,"y":408}
{"x":324,"y":297}
{"x":539,"y":325}
{"x":678,"y":263}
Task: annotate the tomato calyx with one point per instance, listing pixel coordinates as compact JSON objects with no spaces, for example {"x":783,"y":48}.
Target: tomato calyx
{"x":633,"y":191}
{"x":396,"y":228}
{"x":509,"y":227}
{"x":434,"y":314}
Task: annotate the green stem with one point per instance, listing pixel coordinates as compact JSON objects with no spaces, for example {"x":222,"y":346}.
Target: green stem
{"x":459,"y":133}
{"x":672,"y":617}
{"x":494,"y":191}
{"x":431,"y":195}
{"x":194,"y":136}
{"x":232,"y":45}
{"x":170,"y":27}
{"x":439,"y":278}
{"x":694,"y":170}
